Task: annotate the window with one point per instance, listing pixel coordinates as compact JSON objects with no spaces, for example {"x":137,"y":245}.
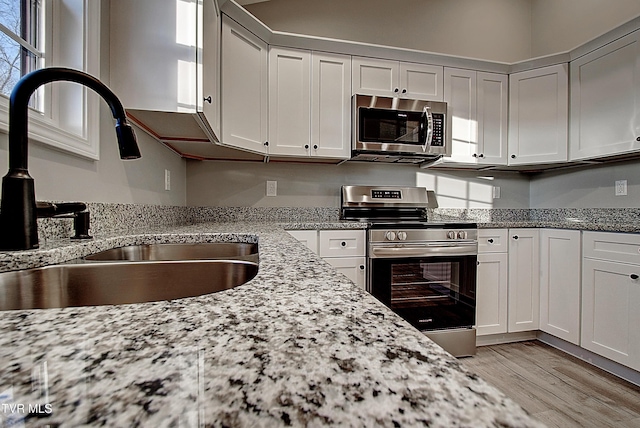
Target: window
{"x":41,"y":33}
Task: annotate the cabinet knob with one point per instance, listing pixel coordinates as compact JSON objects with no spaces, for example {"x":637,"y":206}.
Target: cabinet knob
{"x":404,"y":90}
{"x":315,"y":147}
{"x":266,"y":143}
{"x":474,"y":155}
{"x":634,"y":276}
{"x":306,"y":146}
{"x":637,"y":138}
{"x":490,"y":241}
{"x":344,"y":244}
{"x":515,"y":237}
{"x":396,"y":90}
{"x":513,"y":156}
{"x":361,"y":267}
{"x":208,"y":99}
{"x":481,"y":155}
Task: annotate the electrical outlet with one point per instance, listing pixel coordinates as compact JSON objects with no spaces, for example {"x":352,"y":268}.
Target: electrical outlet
{"x":272,"y":188}
{"x":496,"y":192}
{"x":167,"y":179}
{"x":621,"y":187}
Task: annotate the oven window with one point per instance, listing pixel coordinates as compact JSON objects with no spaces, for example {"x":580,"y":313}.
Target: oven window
{"x":431,"y":293}
{"x":424,"y":284}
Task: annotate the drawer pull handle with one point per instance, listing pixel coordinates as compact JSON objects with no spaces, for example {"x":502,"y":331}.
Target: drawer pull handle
{"x":490,"y":241}
{"x":634,"y":276}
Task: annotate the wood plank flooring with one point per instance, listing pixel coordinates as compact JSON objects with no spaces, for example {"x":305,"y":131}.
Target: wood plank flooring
{"x":556,"y":388}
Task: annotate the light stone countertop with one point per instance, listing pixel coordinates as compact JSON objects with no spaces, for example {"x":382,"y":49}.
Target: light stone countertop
{"x":298,"y":345}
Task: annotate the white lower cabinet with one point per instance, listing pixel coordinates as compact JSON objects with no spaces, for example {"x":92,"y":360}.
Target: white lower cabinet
{"x":560,"y":283}
{"x":507,"y":298}
{"x":345,"y":250}
{"x":524,"y":280}
{"x":611,"y":296}
{"x":491,"y":292}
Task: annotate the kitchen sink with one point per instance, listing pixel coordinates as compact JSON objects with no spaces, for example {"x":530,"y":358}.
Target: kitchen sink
{"x":119,"y":282}
{"x":181,"y":251}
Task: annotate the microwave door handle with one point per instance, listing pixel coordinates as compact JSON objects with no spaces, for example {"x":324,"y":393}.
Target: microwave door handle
{"x":427,"y":127}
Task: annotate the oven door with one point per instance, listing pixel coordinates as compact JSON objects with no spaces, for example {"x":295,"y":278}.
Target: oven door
{"x":430,"y":292}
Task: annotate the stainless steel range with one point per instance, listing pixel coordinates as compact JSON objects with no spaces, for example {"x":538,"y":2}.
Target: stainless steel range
{"x":424,"y":270}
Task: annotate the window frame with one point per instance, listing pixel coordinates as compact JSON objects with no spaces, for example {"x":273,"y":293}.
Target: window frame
{"x":44,"y":127}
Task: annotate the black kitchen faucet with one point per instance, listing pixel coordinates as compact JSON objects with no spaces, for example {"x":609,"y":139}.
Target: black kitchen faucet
{"x":18,"y":215}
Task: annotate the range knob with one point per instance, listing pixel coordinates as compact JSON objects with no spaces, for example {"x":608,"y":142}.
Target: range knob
{"x":451,"y":234}
{"x":391,"y":236}
{"x":462,"y":234}
{"x":402,"y":236}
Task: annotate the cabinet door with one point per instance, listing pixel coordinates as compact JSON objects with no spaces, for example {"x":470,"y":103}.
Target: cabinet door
{"x":421,"y":81}
{"x":524,"y":280}
{"x":208,"y":86}
{"x":610,"y":316}
{"x":605,"y":97}
{"x":538,"y":115}
{"x":375,"y":76}
{"x":560,"y":262}
{"x":330,"y":105}
{"x":308,"y":237}
{"x":491,"y":295}
{"x":351,"y":267}
{"x":141,"y":76}
{"x":244,"y":83}
{"x":493,"y":240}
{"x":289,"y":101}
{"x":492,"y":109}
{"x":461,"y":96}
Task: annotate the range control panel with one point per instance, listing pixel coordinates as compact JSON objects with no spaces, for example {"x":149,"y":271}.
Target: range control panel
{"x":386,"y":194}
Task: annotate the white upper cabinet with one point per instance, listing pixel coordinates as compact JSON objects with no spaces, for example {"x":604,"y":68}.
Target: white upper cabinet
{"x":244,"y":88}
{"x":477,"y":102}
{"x":538,"y":115}
{"x":330,"y":105}
{"x":289,"y":101}
{"x":397,"y":79}
{"x":309,"y":104}
{"x":605,"y":100}
{"x":155,"y":72}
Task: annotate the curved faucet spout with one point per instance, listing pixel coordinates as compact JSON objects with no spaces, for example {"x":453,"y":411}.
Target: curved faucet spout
{"x":18,"y":217}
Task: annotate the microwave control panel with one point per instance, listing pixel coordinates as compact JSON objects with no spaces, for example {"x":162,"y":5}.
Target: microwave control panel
{"x":438,"y":130}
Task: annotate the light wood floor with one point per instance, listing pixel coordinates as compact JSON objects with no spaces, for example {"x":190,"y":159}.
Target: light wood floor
{"x":557,"y":389}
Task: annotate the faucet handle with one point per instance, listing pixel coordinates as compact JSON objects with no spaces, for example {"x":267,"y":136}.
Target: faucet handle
{"x":50,"y":209}
{"x":81,"y":226}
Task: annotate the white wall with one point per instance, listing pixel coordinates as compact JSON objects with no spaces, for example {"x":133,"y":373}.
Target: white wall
{"x":497,"y":30}
{"x":215,"y":183}
{"x":64,"y":177}
{"x":591,"y":187}
{"x":561,"y":25}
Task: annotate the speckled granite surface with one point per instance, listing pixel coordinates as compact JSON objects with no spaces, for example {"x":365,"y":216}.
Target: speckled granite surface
{"x":298,"y":345}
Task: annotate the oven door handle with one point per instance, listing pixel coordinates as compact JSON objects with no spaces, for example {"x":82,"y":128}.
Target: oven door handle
{"x":432,"y":249}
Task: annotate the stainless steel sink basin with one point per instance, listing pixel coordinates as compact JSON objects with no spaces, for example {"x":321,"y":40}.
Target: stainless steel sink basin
{"x":115,"y":283}
{"x":196,"y":251}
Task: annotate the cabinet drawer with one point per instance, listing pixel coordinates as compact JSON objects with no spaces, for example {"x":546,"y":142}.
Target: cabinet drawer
{"x":307,"y":237}
{"x":492,"y":240}
{"x":617,"y":247}
{"x":342,"y":243}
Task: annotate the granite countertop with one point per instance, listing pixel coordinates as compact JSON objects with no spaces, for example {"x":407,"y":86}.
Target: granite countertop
{"x":297,"y":345}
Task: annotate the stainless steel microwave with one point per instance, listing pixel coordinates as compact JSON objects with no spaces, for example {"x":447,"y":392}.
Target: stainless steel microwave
{"x":399,"y":130}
